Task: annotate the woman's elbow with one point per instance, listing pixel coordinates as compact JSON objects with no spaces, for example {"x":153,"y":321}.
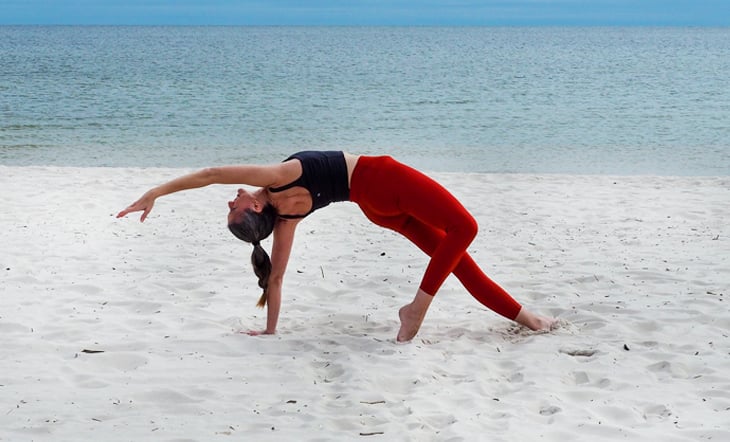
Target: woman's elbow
{"x":276,"y":280}
{"x":211,"y":175}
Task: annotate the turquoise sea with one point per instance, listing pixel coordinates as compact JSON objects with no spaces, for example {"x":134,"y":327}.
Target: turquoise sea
{"x":475,"y":99}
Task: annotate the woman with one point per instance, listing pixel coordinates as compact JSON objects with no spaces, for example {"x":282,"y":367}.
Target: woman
{"x":389,"y":193}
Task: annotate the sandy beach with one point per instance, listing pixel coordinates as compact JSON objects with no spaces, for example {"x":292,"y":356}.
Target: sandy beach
{"x":115,"y":330}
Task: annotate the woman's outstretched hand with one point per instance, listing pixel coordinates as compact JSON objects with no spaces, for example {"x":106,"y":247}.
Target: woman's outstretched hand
{"x":143,"y":205}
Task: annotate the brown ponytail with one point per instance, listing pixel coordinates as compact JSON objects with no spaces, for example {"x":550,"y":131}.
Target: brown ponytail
{"x":253,"y":227}
{"x":262,"y":268}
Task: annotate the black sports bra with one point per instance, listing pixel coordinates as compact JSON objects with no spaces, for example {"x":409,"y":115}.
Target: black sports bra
{"x":324,"y":175}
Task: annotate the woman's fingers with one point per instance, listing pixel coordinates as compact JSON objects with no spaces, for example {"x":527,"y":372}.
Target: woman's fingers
{"x":137,"y":206}
{"x":129,"y":210}
{"x":257,"y":332}
{"x":124,"y":212}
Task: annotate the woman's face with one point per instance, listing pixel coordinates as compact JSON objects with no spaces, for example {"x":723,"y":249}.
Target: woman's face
{"x":244,"y":200}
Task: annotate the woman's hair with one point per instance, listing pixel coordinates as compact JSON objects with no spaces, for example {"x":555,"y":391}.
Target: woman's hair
{"x":254,"y":227}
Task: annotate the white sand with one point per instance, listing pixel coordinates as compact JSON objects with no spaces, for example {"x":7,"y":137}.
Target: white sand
{"x":636,"y":268}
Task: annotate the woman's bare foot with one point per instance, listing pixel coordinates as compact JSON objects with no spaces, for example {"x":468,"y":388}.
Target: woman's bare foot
{"x":535,"y":322}
{"x":410,"y":323}
{"x":412,"y":315}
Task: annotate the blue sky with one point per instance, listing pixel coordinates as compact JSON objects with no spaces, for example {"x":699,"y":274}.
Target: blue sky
{"x":368,"y":12}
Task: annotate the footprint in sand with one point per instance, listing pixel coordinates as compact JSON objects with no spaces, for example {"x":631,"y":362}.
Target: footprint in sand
{"x":579,"y":352}
{"x":664,"y":368}
{"x":581,"y":377}
{"x":328,"y":371}
{"x":550,"y":410}
{"x":585,"y":379}
{"x":656,"y":412}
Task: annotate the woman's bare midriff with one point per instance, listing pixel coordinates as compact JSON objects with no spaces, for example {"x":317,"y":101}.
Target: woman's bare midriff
{"x":351,"y":161}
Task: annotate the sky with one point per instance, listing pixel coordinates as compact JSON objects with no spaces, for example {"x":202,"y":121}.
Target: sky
{"x":369,"y":12}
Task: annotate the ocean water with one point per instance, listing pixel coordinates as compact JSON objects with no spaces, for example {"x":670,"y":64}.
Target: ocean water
{"x":531,"y":100}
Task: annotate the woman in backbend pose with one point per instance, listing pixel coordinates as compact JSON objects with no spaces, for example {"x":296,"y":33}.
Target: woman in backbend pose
{"x":389,"y":193}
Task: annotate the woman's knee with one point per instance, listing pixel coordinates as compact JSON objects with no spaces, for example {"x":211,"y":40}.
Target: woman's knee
{"x":468,"y":228}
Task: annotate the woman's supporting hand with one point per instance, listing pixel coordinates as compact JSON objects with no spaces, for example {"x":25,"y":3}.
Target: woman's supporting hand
{"x":259,"y":332}
{"x":143,"y":205}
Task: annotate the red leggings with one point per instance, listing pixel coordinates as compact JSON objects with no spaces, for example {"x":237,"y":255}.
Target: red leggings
{"x":403,"y":199}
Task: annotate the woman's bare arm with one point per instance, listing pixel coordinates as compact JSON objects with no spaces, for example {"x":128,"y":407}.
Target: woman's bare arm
{"x":280,"y":252}
{"x":252,"y":175}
